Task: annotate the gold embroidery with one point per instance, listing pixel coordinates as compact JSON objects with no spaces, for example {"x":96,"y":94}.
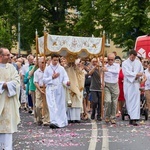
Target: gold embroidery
{"x":54,"y":44}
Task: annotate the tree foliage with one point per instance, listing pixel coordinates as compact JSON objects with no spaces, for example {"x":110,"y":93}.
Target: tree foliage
{"x":122,"y":20}
{"x":129,"y":21}
{"x":5,"y":35}
{"x":35,"y":14}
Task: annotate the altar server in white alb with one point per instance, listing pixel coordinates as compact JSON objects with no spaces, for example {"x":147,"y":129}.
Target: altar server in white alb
{"x":133,"y":71}
{"x":55,"y":78}
{"x":9,"y":100}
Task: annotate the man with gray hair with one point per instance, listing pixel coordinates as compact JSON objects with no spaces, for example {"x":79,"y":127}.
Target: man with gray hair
{"x":9,"y":100}
{"x":111,"y":89}
{"x":95,"y":88}
{"x":40,"y":98}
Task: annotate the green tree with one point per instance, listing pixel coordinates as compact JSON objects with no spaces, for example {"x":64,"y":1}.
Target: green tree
{"x":129,"y":20}
{"x":35,"y":14}
{"x":5,"y":35}
{"x":123,"y":20}
{"x":86,"y":26}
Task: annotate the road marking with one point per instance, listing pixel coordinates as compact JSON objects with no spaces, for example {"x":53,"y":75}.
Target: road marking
{"x":93,"y":141}
{"x":105,"y":140}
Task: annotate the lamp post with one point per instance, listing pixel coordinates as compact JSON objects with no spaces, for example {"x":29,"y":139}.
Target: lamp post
{"x":18,"y":29}
{"x":19,"y":39}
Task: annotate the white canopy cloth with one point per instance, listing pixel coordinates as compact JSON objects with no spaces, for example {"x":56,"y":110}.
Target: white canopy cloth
{"x":81,"y":46}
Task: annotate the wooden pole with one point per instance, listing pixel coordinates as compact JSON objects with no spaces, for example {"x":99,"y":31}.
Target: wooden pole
{"x":37,"y":50}
{"x":44,"y":96}
{"x":45,"y":46}
{"x":103,"y":55}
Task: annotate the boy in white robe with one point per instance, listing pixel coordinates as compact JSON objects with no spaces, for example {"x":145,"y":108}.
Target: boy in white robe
{"x":9,"y":100}
{"x":133,"y":71}
{"x":55,"y":78}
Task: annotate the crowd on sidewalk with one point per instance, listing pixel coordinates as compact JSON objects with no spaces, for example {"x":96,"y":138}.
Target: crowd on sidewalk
{"x":60,"y":90}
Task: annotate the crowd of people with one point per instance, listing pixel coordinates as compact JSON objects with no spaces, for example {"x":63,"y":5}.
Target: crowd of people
{"x":58,"y":90}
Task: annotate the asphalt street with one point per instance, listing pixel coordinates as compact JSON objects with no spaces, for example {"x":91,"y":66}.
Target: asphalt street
{"x":87,"y":135}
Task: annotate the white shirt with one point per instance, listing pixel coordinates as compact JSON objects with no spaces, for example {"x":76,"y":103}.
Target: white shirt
{"x":147,"y":83}
{"x":24,"y":69}
{"x":111,"y":76}
{"x":38,"y":77}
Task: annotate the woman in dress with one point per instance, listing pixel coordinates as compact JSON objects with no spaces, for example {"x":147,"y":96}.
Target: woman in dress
{"x":121,"y":98}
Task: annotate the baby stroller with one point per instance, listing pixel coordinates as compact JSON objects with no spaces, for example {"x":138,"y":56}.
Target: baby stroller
{"x":143,"y":109}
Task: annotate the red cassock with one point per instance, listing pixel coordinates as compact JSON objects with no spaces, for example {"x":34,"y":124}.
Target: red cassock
{"x":121,"y":78}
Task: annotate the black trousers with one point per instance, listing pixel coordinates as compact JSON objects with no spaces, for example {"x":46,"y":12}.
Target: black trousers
{"x":96,"y":103}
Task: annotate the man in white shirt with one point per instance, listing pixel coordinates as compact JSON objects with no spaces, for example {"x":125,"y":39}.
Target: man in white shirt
{"x":111,"y":72}
{"x":133,"y":71}
{"x":40,"y":99}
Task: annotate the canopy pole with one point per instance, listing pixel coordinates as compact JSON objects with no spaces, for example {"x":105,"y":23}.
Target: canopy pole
{"x":103,"y":55}
{"x":44,"y":55}
{"x":36,"y":47}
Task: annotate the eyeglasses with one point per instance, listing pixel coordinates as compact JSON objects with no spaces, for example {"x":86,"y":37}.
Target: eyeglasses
{"x":148,"y":62}
{"x":110,"y":59}
{"x":145,"y":61}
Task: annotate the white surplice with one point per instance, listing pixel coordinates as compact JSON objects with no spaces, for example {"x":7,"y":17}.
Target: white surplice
{"x":131,"y":87}
{"x":9,"y":103}
{"x":55,"y":94}
{"x":6,"y":141}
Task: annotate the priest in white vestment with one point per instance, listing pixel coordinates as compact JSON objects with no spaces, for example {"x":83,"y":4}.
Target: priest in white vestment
{"x":77,"y":79}
{"x":55,"y":78}
{"x":9,"y":100}
{"x":133,"y":71}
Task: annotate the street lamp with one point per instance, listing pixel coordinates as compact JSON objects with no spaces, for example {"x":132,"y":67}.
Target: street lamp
{"x":18,"y":29}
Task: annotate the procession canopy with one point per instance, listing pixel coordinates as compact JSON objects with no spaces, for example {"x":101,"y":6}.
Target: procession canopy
{"x":70,"y":46}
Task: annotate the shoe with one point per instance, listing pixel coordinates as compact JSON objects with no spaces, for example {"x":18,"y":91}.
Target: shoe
{"x":113,"y":121}
{"x":92,"y":117}
{"x":46,"y":124}
{"x":84,"y":117}
{"x":53,"y":126}
{"x":35,"y":121}
{"x":30,"y":111}
{"x":39,"y":123}
{"x":77,"y":121}
{"x":118,"y":114}
{"x":107,"y":120}
{"x":133,"y":122}
{"x":25,"y":109}
{"x":99,"y":119}
{"x":70,"y":121}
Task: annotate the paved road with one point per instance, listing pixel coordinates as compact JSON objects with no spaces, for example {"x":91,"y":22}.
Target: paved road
{"x":88,"y":135}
